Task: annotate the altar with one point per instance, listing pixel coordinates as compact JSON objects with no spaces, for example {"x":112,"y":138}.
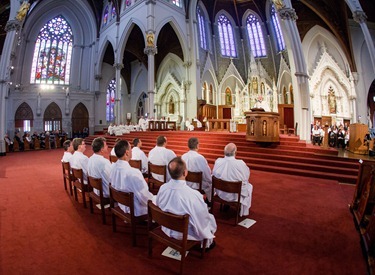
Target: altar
{"x":262,"y":126}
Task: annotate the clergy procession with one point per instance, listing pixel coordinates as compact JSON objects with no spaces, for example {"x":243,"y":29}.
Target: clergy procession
{"x":175,"y":195}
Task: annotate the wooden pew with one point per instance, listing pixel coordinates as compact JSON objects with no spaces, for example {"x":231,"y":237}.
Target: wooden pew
{"x":36,"y":144}
{"x":26,"y":144}
{"x":16,"y":146}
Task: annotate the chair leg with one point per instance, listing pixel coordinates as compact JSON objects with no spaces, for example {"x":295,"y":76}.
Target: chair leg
{"x":71,"y":188}
{"x":84,"y":197}
{"x":65,"y":183}
{"x":75,"y":193}
{"x":91,"y":206}
{"x":183,"y":254}
{"x":149,"y":247}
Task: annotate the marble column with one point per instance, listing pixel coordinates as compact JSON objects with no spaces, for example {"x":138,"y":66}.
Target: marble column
{"x":117,"y":111}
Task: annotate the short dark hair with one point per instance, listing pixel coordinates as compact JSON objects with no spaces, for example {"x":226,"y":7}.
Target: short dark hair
{"x":66,"y":144}
{"x":135,"y":142}
{"x":77,"y":142}
{"x":193,"y":143}
{"x":121,"y":147}
{"x":160,"y":140}
{"x":176,"y":167}
{"x":98,"y":144}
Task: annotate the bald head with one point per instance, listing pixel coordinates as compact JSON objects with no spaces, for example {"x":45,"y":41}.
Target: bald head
{"x":230,"y":150}
{"x":177,"y":168}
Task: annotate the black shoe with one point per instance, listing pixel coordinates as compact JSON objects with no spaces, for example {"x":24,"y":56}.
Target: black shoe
{"x":212,"y":246}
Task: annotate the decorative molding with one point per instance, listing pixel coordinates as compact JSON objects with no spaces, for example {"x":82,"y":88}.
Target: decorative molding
{"x":151,"y":2}
{"x":118,"y":66}
{"x":288,"y":14}
{"x":150,"y":50}
{"x":13,"y":25}
{"x":359,"y":17}
{"x":98,"y":77}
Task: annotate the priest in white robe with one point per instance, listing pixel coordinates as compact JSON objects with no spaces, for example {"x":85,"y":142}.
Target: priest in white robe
{"x":128,"y":179}
{"x":98,"y":166}
{"x":79,"y":160}
{"x":231,"y":169}
{"x":178,"y":198}
{"x":138,"y":154}
{"x":188,"y":125}
{"x":142,"y":123}
{"x":160,"y":155}
{"x":195,"y":162}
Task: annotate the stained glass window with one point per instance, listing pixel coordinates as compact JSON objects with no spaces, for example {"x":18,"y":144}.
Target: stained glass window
{"x":110,"y":108}
{"x":202,"y":28}
{"x":226,"y":37}
{"x":113,"y":13}
{"x":105,"y":16}
{"x":256,"y":38}
{"x":276,"y":27}
{"x":177,"y":2}
{"x":53,"y":53}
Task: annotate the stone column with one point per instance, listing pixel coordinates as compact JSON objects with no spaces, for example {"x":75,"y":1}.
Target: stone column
{"x":151,"y":51}
{"x":303,"y":118}
{"x":12,"y":28}
{"x":118,"y":113}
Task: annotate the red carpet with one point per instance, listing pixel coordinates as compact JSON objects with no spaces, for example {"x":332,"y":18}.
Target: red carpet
{"x":303,"y":227}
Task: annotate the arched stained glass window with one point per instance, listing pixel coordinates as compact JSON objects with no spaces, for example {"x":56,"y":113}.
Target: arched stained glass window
{"x":177,"y":2}
{"x":276,"y":27}
{"x":53,"y":53}
{"x":256,"y":38}
{"x":226,"y":37}
{"x":110,"y":108}
{"x":105,"y":16}
{"x":113,"y":13}
{"x":202,"y":28}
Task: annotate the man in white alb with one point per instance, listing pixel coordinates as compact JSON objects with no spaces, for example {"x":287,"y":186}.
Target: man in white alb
{"x":160,"y":155}
{"x":79,"y":160}
{"x":68,"y":150}
{"x":98,"y":166}
{"x":142,"y":123}
{"x":189,"y":126}
{"x":178,"y":198}
{"x":195,"y":162}
{"x":128,"y":179}
{"x":138,"y":154}
{"x":231,"y":169}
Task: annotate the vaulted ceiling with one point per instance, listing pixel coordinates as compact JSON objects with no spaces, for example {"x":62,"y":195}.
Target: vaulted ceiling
{"x":330,"y":14}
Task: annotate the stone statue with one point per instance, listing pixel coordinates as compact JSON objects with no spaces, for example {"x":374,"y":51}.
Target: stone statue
{"x":150,"y":39}
{"x":331,"y":101}
{"x":22,"y":12}
{"x":171,"y":106}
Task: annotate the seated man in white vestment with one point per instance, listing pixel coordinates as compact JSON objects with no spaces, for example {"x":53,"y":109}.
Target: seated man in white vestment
{"x":128,"y":179}
{"x":68,"y":150}
{"x":138,"y":154}
{"x":142,"y":123}
{"x":178,"y":198}
{"x":79,"y":160}
{"x":111,"y":130}
{"x":195,"y":162}
{"x":188,"y":125}
{"x":231,"y":169}
{"x":160,"y":155}
{"x":98,"y":166}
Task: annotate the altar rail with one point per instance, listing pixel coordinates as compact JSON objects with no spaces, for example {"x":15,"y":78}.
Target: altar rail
{"x":218,"y":124}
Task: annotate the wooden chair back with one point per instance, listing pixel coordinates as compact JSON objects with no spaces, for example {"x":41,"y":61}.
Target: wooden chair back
{"x":79,"y":183}
{"x":36,"y":144}
{"x":46,"y":143}
{"x":228,"y":187}
{"x":174,"y":222}
{"x":67,"y":174}
{"x":195,"y":177}
{"x":16,"y":146}
{"x":26,"y":144}
{"x":154,"y":183}
{"x":97,"y":183}
{"x":113,"y":159}
{"x":127,"y":199}
{"x":136,"y":163}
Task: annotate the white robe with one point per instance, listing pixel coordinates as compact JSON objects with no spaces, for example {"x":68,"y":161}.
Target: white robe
{"x":66,"y":157}
{"x":189,"y":126}
{"x":138,"y":154}
{"x":112,"y":153}
{"x":128,"y":179}
{"x":100,"y":167}
{"x":80,"y":161}
{"x":195,"y":162}
{"x":178,"y":198}
{"x":232,"y":169}
{"x":160,"y":155}
{"x":143,"y":124}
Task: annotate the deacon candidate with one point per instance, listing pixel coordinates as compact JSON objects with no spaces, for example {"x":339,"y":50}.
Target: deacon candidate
{"x":138,"y":154}
{"x":98,"y":166}
{"x":195,"y":162}
{"x":79,"y":160}
{"x":128,"y":179}
{"x":68,"y":150}
{"x":231,"y":169}
{"x":178,"y":198}
{"x":160,"y":155}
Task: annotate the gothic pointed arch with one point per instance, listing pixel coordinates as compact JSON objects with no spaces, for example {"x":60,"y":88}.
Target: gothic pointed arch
{"x":80,"y":118}
{"x":141,"y":105}
{"x":24,"y":117}
{"x":52,"y":117}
